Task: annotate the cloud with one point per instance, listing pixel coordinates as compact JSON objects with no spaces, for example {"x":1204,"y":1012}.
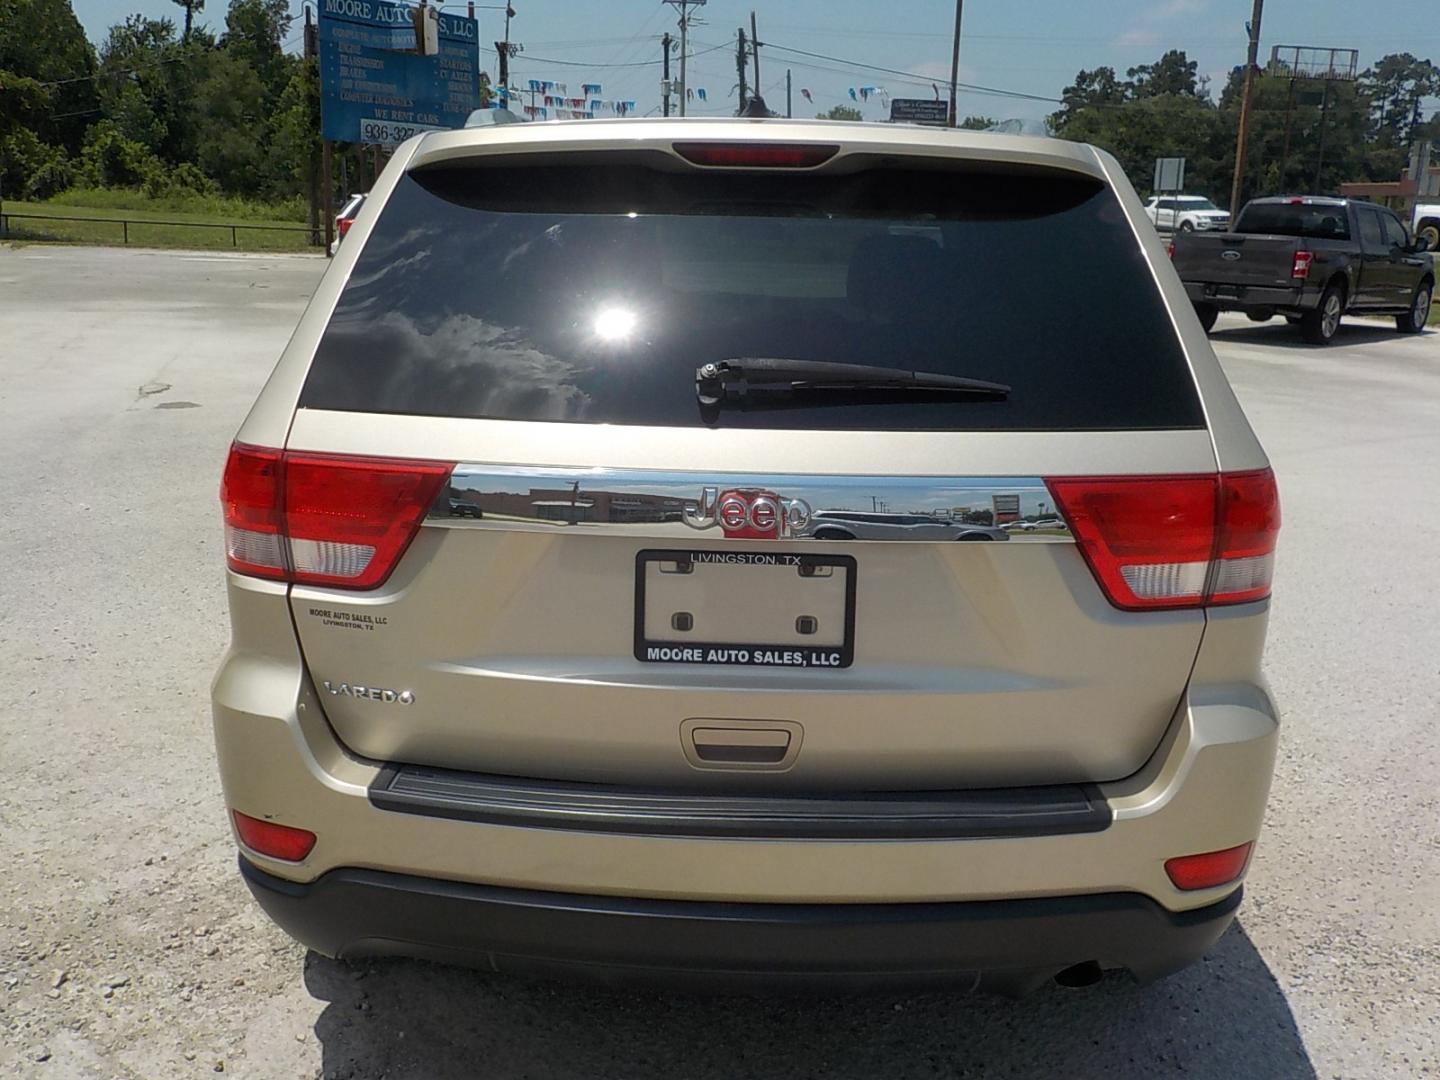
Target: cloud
{"x":1148,"y":33}
{"x":1138,"y":36}
{"x":1172,"y":8}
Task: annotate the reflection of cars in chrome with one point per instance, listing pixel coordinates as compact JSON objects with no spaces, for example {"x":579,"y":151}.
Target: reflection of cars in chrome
{"x":858,"y":525}
{"x":659,"y":744}
{"x":461,"y":509}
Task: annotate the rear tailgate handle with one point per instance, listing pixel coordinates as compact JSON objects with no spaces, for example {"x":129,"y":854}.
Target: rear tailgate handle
{"x":740,"y":744}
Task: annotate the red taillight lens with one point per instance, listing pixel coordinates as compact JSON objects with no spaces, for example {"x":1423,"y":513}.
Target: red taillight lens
{"x":1170,"y":249}
{"x":1205,"y":871}
{"x":1175,"y":541}
{"x":757,"y":155}
{"x":1249,"y":526}
{"x":329,"y":520}
{"x":277,"y":841}
{"x":1301,"y":267}
{"x":342,"y":225}
{"x":250,"y":497}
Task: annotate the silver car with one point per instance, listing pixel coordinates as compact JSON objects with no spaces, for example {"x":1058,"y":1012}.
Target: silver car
{"x":543,"y":656}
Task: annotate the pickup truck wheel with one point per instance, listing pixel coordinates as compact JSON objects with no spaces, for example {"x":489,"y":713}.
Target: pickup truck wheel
{"x":1319,"y":326}
{"x":1413,"y":321}
{"x":1429,"y":235}
{"x":1207,"y":313}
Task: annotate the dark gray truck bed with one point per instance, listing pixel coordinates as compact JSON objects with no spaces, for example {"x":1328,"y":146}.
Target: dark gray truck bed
{"x":1310,"y":259}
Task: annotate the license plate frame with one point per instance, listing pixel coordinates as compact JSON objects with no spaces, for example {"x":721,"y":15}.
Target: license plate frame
{"x":672,"y":650}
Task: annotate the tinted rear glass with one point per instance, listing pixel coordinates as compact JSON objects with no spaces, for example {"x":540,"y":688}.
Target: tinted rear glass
{"x":592,"y":294}
{"x":1295,"y":219}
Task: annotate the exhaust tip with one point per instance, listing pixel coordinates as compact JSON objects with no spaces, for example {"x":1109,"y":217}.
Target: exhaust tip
{"x":1080,"y":975}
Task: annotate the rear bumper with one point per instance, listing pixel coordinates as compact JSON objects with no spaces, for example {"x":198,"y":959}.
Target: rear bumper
{"x":1250,"y":297}
{"x":1004,"y":944}
{"x":1203,"y":789}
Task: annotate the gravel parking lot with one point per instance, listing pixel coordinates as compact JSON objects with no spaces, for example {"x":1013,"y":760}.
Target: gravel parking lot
{"x":130,"y":948}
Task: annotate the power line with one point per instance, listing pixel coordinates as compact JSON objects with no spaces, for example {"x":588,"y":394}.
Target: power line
{"x":973,"y":88}
{"x":588,"y":64}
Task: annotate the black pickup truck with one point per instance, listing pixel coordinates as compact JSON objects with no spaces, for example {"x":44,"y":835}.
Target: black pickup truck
{"x":1312,"y":260}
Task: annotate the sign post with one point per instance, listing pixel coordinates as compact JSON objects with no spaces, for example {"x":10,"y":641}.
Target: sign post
{"x":1169,"y":175}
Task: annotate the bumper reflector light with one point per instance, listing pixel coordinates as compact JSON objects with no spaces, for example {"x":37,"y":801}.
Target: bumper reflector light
{"x":277,"y":841}
{"x":1207,"y":870}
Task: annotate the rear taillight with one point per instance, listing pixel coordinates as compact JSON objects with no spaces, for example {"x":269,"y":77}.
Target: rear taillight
{"x":1170,"y":249}
{"x":1175,"y":541}
{"x":250,"y":499}
{"x":323,"y":519}
{"x":277,"y":841}
{"x":342,"y":225}
{"x":757,"y":155}
{"x":1301,"y":267}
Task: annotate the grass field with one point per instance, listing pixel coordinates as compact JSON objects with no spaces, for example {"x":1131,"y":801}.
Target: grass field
{"x":254,"y":235}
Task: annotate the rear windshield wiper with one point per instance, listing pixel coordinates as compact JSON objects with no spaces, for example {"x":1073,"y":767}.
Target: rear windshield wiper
{"x":737,"y":379}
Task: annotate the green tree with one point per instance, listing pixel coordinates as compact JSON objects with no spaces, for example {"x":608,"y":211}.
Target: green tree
{"x":1397,"y":86}
{"x":133,"y":83}
{"x":192,"y":8}
{"x":295,"y":131}
{"x":1170,"y":125}
{"x":42,"y":40}
{"x":1173,"y":73}
{"x":840,"y":112}
{"x":1340,"y":113}
{"x":230,"y":124}
{"x":255,"y":32}
{"x":1091,"y":89}
{"x":112,"y":160}
{"x":978,"y":123}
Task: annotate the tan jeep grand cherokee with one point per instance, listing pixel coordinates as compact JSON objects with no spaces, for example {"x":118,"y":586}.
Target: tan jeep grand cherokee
{"x":749,"y":548}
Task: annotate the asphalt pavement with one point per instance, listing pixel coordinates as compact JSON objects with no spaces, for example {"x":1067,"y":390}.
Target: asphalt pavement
{"x":130,"y":948}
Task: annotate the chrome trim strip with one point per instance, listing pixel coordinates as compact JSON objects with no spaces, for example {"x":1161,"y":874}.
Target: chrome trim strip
{"x":677,"y":506}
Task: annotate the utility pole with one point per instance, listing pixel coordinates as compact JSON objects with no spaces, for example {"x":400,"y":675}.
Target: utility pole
{"x":1289,"y":117}
{"x":683,"y":6}
{"x":955,"y":61}
{"x":788,"y":111}
{"x":1243,"y":135}
{"x":504,"y":51}
{"x":312,"y":171}
{"x":1320,"y":159}
{"x":665,"y":66}
{"x":755,"y":50}
{"x":740,"y":58}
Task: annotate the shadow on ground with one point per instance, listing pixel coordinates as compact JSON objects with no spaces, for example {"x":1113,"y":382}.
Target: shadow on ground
{"x":1280,"y":333}
{"x":1224,"y":1018}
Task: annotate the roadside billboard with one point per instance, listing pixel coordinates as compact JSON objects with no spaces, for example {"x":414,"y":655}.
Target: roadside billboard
{"x":376,"y":88}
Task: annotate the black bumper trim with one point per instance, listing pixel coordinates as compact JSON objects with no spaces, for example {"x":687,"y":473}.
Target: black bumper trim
{"x":951,"y":815}
{"x":351,"y":913}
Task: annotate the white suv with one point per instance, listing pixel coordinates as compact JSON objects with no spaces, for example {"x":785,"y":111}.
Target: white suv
{"x":1184,"y":213}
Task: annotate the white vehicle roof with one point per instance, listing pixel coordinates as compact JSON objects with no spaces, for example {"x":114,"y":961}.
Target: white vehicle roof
{"x":621,"y":133}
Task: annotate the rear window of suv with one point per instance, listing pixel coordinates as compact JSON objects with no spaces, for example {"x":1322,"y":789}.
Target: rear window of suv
{"x":591,"y":294}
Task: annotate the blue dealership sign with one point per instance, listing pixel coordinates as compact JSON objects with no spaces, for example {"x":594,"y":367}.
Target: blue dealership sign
{"x":374,"y":86}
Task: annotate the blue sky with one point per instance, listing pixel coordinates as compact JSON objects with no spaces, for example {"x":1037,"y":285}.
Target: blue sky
{"x":1030,"y":46}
